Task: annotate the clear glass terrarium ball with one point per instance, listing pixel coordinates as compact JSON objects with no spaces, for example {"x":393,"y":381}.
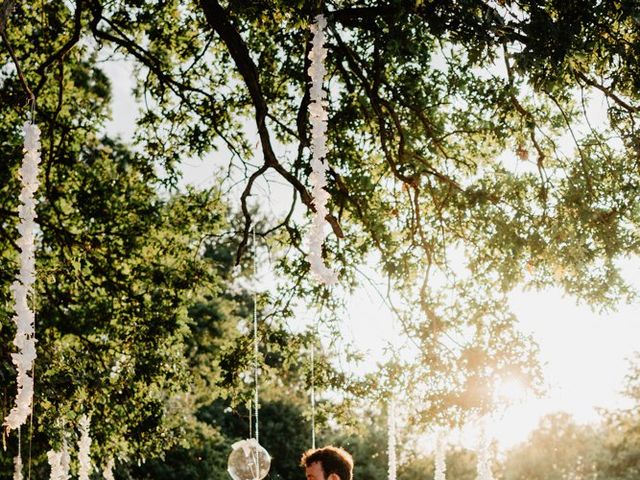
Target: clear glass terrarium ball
{"x":248,"y":461}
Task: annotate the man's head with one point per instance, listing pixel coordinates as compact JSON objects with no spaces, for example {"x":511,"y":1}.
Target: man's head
{"x":327,"y":463}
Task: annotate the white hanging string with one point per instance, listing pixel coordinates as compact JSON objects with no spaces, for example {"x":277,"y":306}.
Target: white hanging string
{"x":440,"y":461}
{"x":317,"y":179}
{"x":17,"y":461}
{"x":391,"y":446}
{"x":22,"y":287}
{"x":255,"y":336}
{"x":250,"y":418}
{"x":33,"y":374}
{"x":313,"y":395}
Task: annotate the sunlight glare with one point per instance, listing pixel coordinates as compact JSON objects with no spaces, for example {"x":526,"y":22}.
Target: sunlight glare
{"x":511,"y":390}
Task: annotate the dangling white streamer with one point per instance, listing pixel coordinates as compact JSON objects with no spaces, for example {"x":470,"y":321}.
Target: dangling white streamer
{"x":484,"y":454}
{"x":440,"y":463}
{"x":391,"y":446}
{"x":107,"y":472}
{"x":317,"y":179}
{"x":84,"y":448}
{"x":22,"y":287}
{"x":17,"y":470}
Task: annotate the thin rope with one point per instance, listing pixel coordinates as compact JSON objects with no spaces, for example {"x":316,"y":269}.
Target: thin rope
{"x":441,"y":458}
{"x":255,"y":335}
{"x":33,"y":409}
{"x":17,"y":461}
{"x":313,"y":395}
{"x":391,"y":446}
{"x":250,"y":418}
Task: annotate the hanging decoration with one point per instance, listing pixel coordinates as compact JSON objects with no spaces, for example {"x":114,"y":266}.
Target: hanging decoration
{"x":22,"y":287}
{"x":107,"y":471}
{"x":318,"y":180}
{"x":313,"y":395}
{"x":440,"y":462}
{"x":59,"y":463}
{"x":391,"y":445}
{"x":84,"y":448}
{"x":248,"y":459}
{"x":17,"y":460}
{"x":484,"y":454}
{"x":17,"y":467}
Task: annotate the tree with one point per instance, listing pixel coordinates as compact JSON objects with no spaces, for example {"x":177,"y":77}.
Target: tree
{"x":558,"y":449}
{"x":623,"y":434}
{"x":427,"y":101}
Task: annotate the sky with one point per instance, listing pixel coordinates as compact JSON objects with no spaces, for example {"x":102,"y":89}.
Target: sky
{"x":584,"y":354}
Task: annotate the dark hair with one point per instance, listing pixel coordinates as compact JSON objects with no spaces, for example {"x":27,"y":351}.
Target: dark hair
{"x":331,"y":459}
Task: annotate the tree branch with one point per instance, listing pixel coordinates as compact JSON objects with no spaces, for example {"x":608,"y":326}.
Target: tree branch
{"x":7,"y":7}
{"x":219,"y":21}
{"x":66,"y":48}
{"x":606,"y":91}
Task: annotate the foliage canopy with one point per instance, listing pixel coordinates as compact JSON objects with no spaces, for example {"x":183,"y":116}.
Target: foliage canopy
{"x":466,"y":158}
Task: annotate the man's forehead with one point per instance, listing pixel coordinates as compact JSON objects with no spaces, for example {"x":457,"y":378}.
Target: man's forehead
{"x":315,"y":469}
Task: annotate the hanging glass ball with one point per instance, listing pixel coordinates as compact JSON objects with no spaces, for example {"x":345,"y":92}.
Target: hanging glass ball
{"x":248,"y":461}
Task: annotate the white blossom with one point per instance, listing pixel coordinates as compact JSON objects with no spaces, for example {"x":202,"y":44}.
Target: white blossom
{"x":22,"y":287}
{"x":317,"y":179}
{"x":484,"y":455}
{"x":65,"y":459}
{"x":59,"y":462}
{"x":440,"y":462}
{"x":84,"y":448}
{"x":17,"y":470}
{"x":107,"y":471}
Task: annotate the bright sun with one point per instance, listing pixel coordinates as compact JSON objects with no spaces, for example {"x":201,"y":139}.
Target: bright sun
{"x":511,"y":390}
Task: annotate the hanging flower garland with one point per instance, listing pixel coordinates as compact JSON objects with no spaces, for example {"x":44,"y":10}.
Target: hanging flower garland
{"x":318,"y":180}
{"x":391,"y":446}
{"x":22,"y":287}
{"x":484,"y":454}
{"x":107,"y":472}
{"x":59,"y":463}
{"x":440,"y":462}
{"x":84,"y":448}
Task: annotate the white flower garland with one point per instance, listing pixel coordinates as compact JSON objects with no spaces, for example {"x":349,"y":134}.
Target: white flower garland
{"x":318,"y":180}
{"x":391,"y":446}
{"x":65,"y":460}
{"x":22,"y":287}
{"x":59,"y":462}
{"x":441,"y":455}
{"x":107,"y":472}
{"x":484,"y":455}
{"x":84,"y":448}
{"x":17,"y":470}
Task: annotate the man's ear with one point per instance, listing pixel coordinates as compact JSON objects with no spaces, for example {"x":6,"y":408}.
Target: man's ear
{"x":333,"y":476}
